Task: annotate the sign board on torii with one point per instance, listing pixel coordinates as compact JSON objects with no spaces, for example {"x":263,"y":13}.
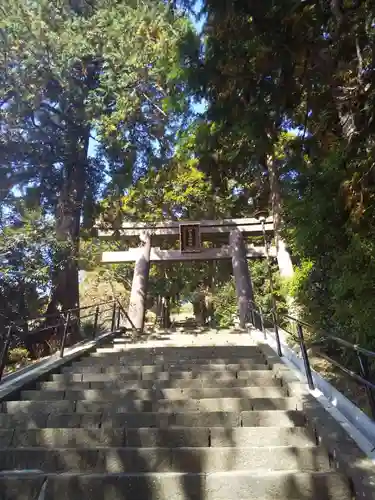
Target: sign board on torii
{"x":190,"y":237}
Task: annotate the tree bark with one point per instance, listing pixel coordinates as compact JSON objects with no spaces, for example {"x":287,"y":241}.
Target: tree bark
{"x":68,"y":218}
{"x":166,"y":312}
{"x":283,"y":257}
{"x":199,"y":308}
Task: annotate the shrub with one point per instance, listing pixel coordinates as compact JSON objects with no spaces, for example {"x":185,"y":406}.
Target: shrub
{"x":87,"y":329}
{"x":225,"y":304}
{"x":18,"y":355}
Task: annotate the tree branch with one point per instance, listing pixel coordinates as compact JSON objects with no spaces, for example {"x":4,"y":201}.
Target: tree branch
{"x":153,"y":104}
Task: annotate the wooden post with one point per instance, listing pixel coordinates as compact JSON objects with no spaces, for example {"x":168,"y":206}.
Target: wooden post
{"x":137,"y":304}
{"x":242,"y":277}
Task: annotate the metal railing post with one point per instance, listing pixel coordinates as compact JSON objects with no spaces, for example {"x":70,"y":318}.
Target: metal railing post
{"x":113,"y":317}
{"x":277,"y":336}
{"x":262,"y":324}
{"x":4,"y":353}
{"x":305,"y":357}
{"x":65,"y":334}
{"x":118,"y":318}
{"x":365,"y":373}
{"x":96,"y":320}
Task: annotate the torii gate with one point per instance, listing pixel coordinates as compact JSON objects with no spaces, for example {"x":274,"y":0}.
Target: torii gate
{"x":191,"y":235}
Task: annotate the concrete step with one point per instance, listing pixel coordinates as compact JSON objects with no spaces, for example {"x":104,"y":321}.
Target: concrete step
{"x":66,"y":382}
{"x":146,"y":395}
{"x":176,"y":354}
{"x":109,"y":367}
{"x":238,"y":437}
{"x":138,"y":405}
{"x":135,"y":460}
{"x":248,"y":378}
{"x":163,"y":375}
{"x":192,"y":405}
{"x":55,"y":419}
{"x":182,"y":366}
{"x":237,"y":485}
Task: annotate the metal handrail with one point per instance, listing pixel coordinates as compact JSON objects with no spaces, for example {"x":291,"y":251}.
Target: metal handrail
{"x":65,"y":311}
{"x":66,"y":321}
{"x":256,"y":309}
{"x":362,"y":354}
{"x":354,"y":347}
{"x":347,"y":371}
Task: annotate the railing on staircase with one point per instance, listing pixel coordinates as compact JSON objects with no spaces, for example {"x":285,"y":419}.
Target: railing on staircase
{"x":58,"y":328}
{"x":259,"y":319}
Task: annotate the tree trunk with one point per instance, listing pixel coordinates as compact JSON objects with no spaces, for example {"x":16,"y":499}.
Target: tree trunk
{"x":199,"y":307}
{"x":283,"y":257}
{"x":23,"y":312}
{"x":68,"y":218}
{"x":166,"y":318}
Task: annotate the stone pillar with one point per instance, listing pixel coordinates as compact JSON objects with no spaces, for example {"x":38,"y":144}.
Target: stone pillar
{"x":137,"y":304}
{"x":241,"y":274}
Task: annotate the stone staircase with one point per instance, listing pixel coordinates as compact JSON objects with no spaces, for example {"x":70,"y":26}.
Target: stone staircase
{"x":158,"y":423}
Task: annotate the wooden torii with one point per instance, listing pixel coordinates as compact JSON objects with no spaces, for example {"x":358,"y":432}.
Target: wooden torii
{"x":228,"y":236}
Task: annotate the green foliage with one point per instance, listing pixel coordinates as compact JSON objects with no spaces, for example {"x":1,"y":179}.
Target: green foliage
{"x":335,"y":251}
{"x":319,"y":80}
{"x":103,"y":284}
{"x":296,"y":285}
{"x":262,"y":290}
{"x":18,"y":355}
{"x":119,"y":76}
{"x":82,"y":92}
{"x":28,"y":250}
{"x":225,"y":305}
{"x":225,"y":298}
{"x":178,"y":191}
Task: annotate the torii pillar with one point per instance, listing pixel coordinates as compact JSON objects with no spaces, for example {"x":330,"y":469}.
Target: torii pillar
{"x":244,"y":287}
{"x":137,"y":304}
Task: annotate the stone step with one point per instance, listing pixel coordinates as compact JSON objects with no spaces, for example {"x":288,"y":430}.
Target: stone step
{"x":149,"y":360}
{"x":56,"y":419}
{"x":169,"y":353}
{"x":147,"y":437}
{"x":247,"y":378}
{"x":177,"y":352}
{"x":166,"y":368}
{"x":135,"y":460}
{"x":164,"y":375}
{"x":192,"y":405}
{"x":184,"y":366}
{"x":66,"y":382}
{"x":139,"y":405}
{"x":236,"y":485}
{"x":147,"y":395}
